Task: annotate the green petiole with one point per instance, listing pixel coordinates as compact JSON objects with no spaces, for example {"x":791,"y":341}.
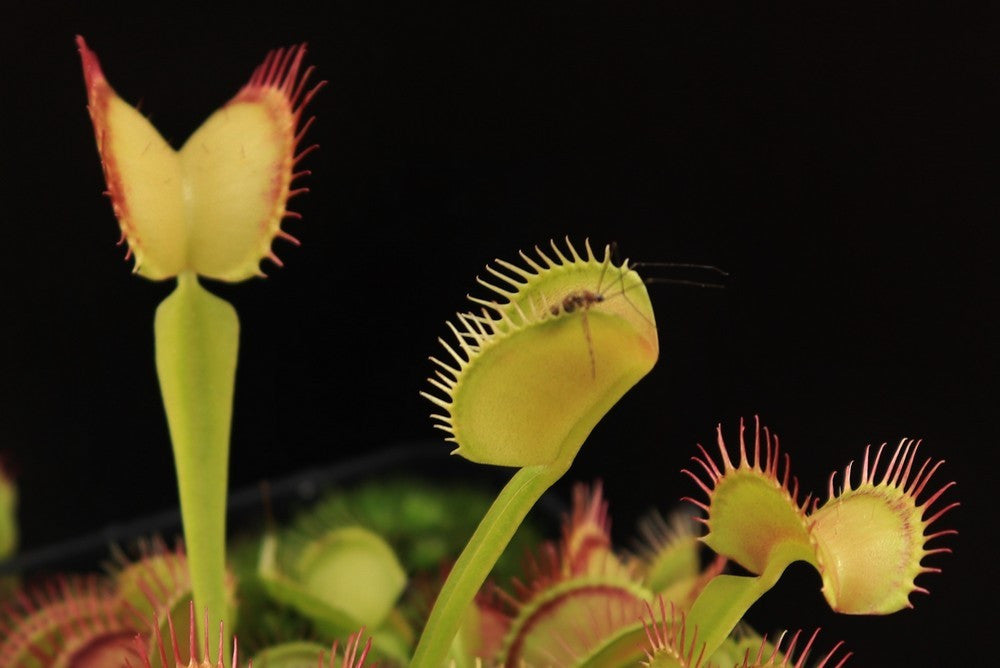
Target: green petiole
{"x":197,"y":338}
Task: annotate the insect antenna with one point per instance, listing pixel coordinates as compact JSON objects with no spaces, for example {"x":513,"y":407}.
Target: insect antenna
{"x":611,"y":259}
{"x":629,"y":266}
{"x":684,"y":281}
{"x":681,"y":281}
{"x":680,"y":265}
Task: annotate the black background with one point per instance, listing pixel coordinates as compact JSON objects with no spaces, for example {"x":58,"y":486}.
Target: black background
{"x":838,"y":161}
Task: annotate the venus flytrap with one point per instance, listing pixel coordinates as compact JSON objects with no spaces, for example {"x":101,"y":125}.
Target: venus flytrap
{"x":8,"y":515}
{"x":518,"y":373}
{"x":580,"y":603}
{"x":868,"y":542}
{"x":524,"y":383}
{"x":9,"y":529}
{"x":343,"y":579}
{"x":167,"y":652}
{"x":67,"y":619}
{"x":210,"y":209}
{"x":92,"y":622}
{"x":673,"y":645}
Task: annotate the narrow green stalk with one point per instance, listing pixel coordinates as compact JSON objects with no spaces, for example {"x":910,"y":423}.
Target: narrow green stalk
{"x":725,"y":600}
{"x":197,"y":337}
{"x":479,"y":556}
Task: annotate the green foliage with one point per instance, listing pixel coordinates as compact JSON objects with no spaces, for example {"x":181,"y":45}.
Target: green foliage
{"x":8,"y":515}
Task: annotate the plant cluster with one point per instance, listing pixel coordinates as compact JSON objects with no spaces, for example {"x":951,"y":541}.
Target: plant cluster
{"x":388,"y":571}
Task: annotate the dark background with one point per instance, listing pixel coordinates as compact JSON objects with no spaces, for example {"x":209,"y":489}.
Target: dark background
{"x":837,"y":161}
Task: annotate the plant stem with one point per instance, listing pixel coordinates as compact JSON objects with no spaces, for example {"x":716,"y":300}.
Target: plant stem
{"x":197,"y":338}
{"x":725,"y":600}
{"x":479,"y":556}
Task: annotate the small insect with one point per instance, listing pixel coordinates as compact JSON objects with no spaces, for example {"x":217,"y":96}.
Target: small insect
{"x":584,"y":300}
{"x":579,"y":299}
